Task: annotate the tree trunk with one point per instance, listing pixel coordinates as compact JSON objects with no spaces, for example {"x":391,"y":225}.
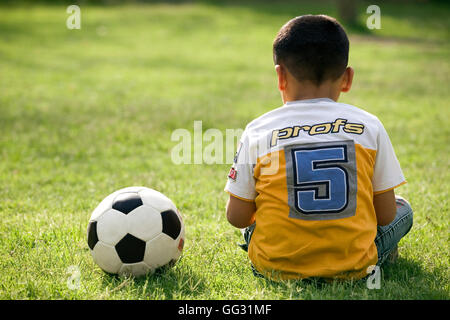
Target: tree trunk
{"x":347,"y":10}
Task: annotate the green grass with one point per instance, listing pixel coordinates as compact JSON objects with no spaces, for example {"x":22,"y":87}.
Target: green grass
{"x":86,"y":112}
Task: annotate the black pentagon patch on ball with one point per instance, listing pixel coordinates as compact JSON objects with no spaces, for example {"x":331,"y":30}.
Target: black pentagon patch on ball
{"x":92,"y":234}
{"x":127,"y":202}
{"x":130,"y":249}
{"x":171,"y":224}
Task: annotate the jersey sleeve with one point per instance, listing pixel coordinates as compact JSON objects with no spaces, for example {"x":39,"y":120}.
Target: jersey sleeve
{"x":387,"y":172}
{"x":241,"y":181}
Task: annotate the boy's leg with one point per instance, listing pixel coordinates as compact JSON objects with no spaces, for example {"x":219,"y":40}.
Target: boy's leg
{"x":388,"y":236}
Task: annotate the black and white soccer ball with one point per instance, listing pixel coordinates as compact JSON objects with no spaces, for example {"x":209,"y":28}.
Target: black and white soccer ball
{"x":135,"y":231}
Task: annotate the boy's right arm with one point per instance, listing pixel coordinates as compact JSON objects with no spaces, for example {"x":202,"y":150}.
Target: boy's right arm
{"x":385,"y":207}
{"x":387,"y":176}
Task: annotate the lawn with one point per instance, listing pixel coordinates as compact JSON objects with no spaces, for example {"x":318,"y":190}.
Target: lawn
{"x":86,"y":112}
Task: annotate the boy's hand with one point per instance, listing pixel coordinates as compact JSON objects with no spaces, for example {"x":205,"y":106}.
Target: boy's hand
{"x":240,"y":213}
{"x":385,"y":207}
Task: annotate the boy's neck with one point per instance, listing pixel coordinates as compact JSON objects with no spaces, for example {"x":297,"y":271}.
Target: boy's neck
{"x":309,"y":91}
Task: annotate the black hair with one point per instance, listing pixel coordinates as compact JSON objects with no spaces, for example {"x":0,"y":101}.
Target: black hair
{"x":313,"y":48}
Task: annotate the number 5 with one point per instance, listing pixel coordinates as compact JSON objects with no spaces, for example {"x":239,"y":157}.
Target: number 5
{"x":321,"y":180}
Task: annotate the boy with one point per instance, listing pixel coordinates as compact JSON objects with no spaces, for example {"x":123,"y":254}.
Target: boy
{"x":314,"y":179}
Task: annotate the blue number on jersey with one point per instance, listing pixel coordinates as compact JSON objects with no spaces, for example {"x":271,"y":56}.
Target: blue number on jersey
{"x":321,"y":180}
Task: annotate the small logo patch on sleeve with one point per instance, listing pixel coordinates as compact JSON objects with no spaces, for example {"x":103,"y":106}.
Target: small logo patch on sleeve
{"x":232,"y":174}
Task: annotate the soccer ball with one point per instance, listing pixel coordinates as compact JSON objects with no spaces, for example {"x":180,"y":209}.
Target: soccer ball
{"x":135,"y":231}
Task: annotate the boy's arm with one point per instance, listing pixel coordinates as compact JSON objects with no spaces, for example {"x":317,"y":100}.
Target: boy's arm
{"x":240,"y":213}
{"x":386,"y":177}
{"x":385,"y":207}
{"x":241,"y":206}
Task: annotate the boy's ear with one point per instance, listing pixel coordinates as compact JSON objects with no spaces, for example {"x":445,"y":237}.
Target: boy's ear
{"x":347,"y":79}
{"x":282,"y":80}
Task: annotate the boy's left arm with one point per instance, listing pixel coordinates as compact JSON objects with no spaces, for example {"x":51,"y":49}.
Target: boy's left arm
{"x":240,"y":213}
{"x":241,"y":205}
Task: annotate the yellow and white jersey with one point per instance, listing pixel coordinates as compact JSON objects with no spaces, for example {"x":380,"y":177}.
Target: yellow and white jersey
{"x":312,"y":168}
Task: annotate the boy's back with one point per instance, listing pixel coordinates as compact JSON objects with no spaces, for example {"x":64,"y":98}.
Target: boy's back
{"x":314,"y":178}
{"x":313,"y":183}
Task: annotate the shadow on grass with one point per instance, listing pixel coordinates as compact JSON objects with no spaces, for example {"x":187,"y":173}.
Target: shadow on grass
{"x":413,"y":278}
{"x":404,"y":279}
{"x":178,"y":282}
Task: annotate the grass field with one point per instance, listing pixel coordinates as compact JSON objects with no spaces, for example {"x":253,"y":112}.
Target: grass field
{"x":86,"y":112}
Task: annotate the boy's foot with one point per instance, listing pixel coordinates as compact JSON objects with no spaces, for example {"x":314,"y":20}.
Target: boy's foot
{"x":243,"y":246}
{"x":246,"y":234}
{"x":393,"y":255}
